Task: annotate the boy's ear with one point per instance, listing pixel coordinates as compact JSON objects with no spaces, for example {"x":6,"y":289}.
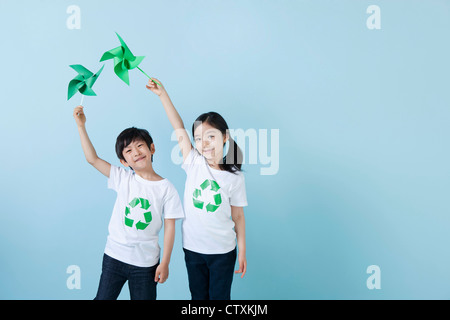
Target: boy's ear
{"x":152,"y":148}
{"x":124,"y":163}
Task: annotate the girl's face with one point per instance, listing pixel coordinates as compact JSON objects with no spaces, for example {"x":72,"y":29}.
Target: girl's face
{"x":209,"y":142}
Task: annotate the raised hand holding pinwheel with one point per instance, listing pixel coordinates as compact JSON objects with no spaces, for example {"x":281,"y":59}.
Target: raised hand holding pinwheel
{"x":124,"y":60}
{"x":83,"y":82}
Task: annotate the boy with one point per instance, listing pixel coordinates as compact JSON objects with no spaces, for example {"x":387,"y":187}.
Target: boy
{"x":143,"y":199}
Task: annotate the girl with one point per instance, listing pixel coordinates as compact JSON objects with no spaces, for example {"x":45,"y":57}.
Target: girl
{"x":214,"y":198}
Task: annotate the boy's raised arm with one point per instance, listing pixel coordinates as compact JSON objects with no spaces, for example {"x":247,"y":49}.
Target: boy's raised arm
{"x":88,"y":149}
{"x":174,"y":118}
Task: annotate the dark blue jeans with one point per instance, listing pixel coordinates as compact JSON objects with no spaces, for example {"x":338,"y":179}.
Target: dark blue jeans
{"x":141,"y":280}
{"x":210,"y":275}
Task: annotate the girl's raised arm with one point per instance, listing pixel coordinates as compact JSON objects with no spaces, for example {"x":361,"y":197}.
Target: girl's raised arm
{"x":174,"y":118}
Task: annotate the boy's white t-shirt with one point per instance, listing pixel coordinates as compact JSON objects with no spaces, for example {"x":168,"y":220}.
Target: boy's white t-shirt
{"x":137,"y":217}
{"x":209,"y":194}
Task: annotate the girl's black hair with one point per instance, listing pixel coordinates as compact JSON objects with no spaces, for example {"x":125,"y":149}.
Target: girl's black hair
{"x":129,"y":135}
{"x":232,"y":162}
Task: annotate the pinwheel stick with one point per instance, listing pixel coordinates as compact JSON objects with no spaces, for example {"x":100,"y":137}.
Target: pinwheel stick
{"x":148,"y":76}
{"x":82,"y":98}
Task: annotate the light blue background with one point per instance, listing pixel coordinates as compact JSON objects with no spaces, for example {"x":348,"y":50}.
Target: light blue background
{"x":363,"y":117}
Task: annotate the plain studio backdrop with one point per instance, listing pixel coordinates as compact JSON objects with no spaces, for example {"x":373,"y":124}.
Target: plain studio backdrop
{"x":343,"y":107}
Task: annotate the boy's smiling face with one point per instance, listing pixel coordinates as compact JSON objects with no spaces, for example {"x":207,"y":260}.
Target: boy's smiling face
{"x":138,"y":155}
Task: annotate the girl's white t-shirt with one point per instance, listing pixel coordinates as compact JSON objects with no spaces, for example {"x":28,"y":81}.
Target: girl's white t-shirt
{"x":208,"y":196}
{"x":137,"y":217}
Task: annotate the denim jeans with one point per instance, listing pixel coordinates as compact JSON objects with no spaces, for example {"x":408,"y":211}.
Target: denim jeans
{"x":141,"y":280}
{"x":210,"y":275}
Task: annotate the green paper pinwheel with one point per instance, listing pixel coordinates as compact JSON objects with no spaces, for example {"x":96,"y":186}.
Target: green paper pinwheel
{"x":124,"y":60}
{"x":83,"y":82}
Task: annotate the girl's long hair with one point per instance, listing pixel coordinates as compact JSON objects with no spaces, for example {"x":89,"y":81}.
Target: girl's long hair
{"x":232,"y":162}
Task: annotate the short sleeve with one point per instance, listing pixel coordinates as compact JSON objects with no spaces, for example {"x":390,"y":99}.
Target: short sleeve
{"x":116,"y":176}
{"x":238,"y":195}
{"x":172,"y":205}
{"x":192,"y":158}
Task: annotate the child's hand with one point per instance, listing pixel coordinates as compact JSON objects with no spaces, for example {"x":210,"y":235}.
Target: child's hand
{"x":79,"y":116}
{"x":242,"y":265}
{"x":162,"y":273}
{"x":155,"y":88}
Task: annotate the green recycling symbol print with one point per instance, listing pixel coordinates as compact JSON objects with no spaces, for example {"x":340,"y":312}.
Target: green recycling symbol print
{"x":207,"y":193}
{"x":133,"y":213}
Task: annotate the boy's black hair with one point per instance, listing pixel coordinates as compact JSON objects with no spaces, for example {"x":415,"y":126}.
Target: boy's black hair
{"x":129,"y":135}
